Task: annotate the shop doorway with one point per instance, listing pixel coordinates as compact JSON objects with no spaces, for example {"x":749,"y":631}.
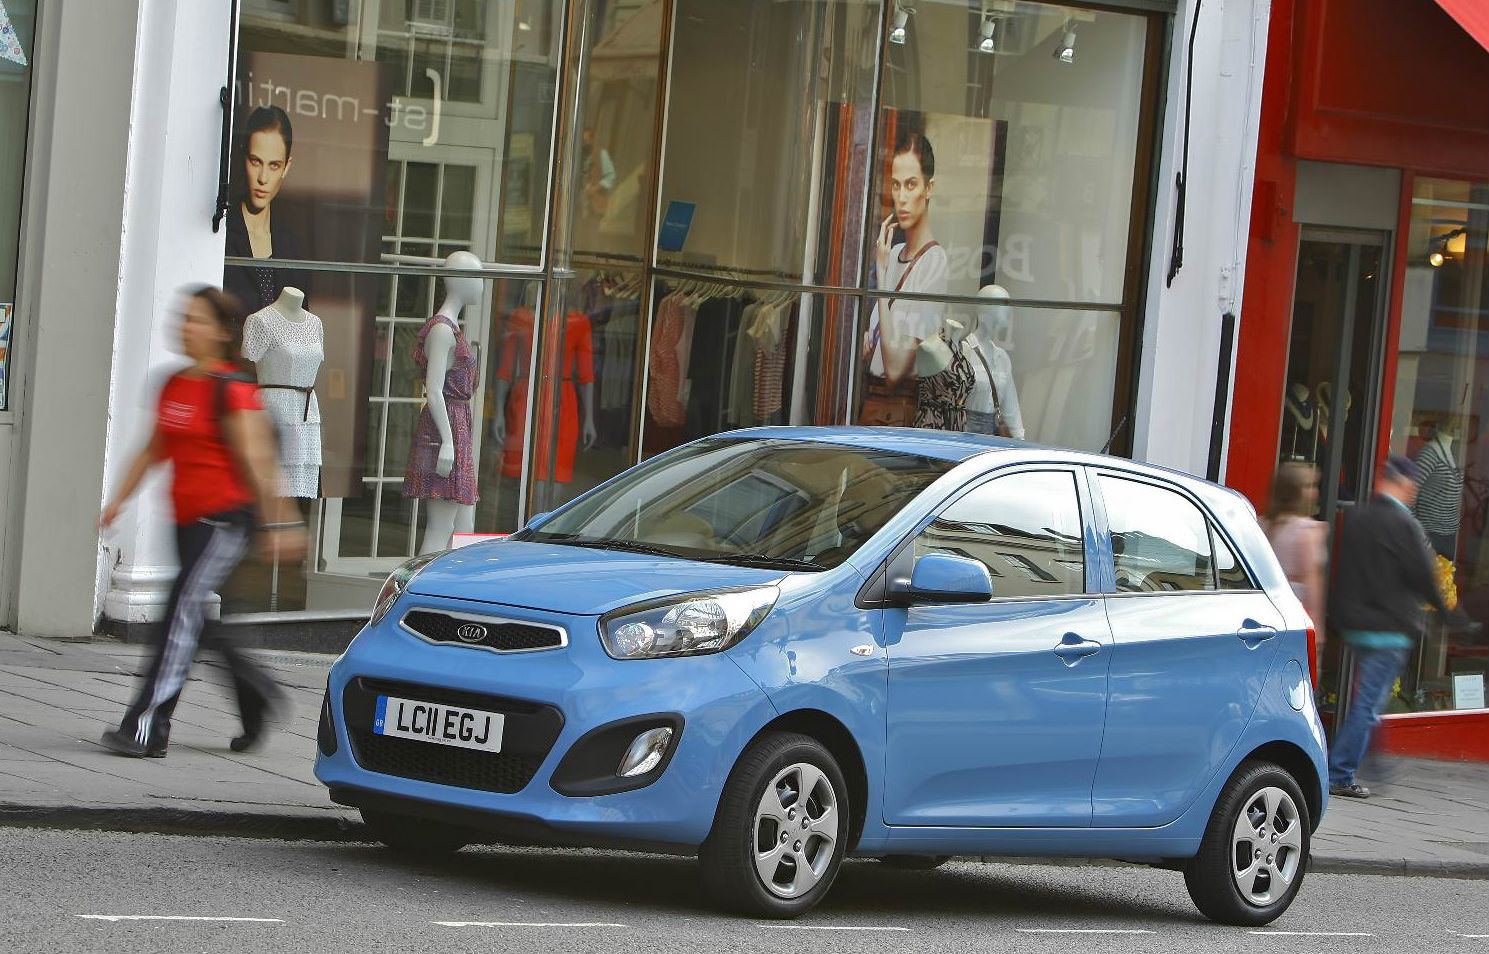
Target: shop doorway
{"x":1339,"y":298}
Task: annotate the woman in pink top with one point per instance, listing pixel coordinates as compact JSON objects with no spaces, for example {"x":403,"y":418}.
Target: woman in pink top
{"x":1300,"y":541}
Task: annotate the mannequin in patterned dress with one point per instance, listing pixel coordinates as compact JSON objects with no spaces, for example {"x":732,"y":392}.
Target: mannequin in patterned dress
{"x":945,"y":378}
{"x":446,"y":484}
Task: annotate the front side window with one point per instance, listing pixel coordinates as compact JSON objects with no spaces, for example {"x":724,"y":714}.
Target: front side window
{"x":1160,"y":541}
{"x":1025,"y":528}
{"x":780,"y":504}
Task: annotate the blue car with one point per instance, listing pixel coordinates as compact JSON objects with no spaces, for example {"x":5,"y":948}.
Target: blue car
{"x":779,"y":647}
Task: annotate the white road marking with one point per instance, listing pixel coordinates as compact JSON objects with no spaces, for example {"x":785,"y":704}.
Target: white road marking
{"x":536,"y":924}
{"x":1474,"y":936}
{"x":1314,"y":933}
{"x":1082,"y":931}
{"x":173,"y":917}
{"x":829,"y":927}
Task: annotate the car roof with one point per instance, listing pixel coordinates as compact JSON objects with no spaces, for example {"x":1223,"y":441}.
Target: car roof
{"x":957,"y":447}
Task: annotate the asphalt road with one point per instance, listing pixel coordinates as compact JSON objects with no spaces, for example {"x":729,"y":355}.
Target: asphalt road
{"x":99,"y":891}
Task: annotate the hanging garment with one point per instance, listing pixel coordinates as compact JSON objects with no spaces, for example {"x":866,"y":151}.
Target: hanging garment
{"x":671,"y":345}
{"x":288,"y":355}
{"x":577,"y":368}
{"x":420,"y":479}
{"x":740,"y":410}
{"x":618,"y":356}
{"x":943,"y":396}
{"x":770,"y":364}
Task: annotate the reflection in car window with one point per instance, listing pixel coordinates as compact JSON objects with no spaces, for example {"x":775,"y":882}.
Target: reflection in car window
{"x":1228,"y":569}
{"x":791,"y":504}
{"x":1025,"y":528}
{"x":1160,"y":541}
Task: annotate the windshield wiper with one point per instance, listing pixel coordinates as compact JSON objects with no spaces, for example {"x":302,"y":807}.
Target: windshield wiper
{"x":599,"y":543}
{"x":765,"y":560}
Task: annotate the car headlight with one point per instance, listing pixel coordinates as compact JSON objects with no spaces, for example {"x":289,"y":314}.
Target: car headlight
{"x":686,"y":626}
{"x":398,"y":581}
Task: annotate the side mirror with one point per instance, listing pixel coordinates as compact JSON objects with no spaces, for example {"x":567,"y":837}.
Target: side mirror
{"x":943,"y":578}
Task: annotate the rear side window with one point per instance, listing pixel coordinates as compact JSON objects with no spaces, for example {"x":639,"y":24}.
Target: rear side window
{"x":1228,"y":570}
{"x":1025,"y":528}
{"x":1160,"y":541}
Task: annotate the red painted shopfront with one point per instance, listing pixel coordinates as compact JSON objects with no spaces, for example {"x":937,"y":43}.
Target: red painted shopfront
{"x":1365,"y":321}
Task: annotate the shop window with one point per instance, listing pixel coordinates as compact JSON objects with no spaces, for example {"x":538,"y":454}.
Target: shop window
{"x":1442,"y":391}
{"x":768,"y":130}
{"x":723,"y":356}
{"x":17,"y":26}
{"x":989,"y":367}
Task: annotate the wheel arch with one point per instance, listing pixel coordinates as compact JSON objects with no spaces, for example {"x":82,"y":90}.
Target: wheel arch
{"x":1297,"y":763}
{"x":835,"y":736}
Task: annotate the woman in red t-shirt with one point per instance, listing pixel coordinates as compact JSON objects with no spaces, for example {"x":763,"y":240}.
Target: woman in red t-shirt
{"x":211,"y":428}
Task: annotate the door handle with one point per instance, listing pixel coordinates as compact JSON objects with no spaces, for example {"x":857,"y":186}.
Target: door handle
{"x":1253,"y":634}
{"x":1073,"y":648}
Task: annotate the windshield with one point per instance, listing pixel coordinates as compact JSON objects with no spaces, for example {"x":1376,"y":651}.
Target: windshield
{"x":783,"y":504}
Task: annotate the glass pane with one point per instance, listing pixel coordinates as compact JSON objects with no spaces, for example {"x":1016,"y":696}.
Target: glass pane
{"x":1442,"y":395}
{"x":607,"y":193}
{"x":1025,"y":528}
{"x":1039,"y":374}
{"x":505,"y":406}
{"x":591,"y":375}
{"x":1160,"y":541}
{"x":1231,"y":574}
{"x":769,"y":119}
{"x":1335,"y":301}
{"x":723,"y":356}
{"x":15,"y":98}
{"x":1020,"y":163}
{"x":345,"y":114}
{"x":396,"y":524}
{"x":357,"y":519}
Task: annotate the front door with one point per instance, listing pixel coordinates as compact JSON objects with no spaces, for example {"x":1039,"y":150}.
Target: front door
{"x":995,"y":709}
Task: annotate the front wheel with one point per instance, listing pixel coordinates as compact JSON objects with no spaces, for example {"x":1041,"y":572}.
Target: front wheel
{"x":781,"y":830}
{"x":1255,"y":850}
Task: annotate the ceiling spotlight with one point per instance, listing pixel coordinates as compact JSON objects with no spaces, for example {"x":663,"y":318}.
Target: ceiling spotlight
{"x":1065,"y":52}
{"x":1436,"y":259}
{"x":988,"y":44}
{"x":898,"y":33}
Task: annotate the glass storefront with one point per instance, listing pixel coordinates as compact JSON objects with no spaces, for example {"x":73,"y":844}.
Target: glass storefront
{"x":17,"y":29}
{"x":1442,"y":389}
{"x":647,"y":221}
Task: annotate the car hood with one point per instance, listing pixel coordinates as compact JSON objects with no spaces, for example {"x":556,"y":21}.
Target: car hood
{"x":575,"y":580}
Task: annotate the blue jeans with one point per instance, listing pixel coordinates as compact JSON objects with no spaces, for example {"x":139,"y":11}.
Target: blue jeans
{"x":1376,"y":671}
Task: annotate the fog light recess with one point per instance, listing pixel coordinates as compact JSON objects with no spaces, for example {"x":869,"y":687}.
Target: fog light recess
{"x":645,"y":752}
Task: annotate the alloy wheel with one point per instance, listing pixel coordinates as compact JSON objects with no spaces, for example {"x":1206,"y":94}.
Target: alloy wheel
{"x":796,"y":830}
{"x":1266,"y":846}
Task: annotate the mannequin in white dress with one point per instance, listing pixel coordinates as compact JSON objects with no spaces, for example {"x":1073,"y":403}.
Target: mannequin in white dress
{"x":446,"y":517}
{"x":286,"y":343}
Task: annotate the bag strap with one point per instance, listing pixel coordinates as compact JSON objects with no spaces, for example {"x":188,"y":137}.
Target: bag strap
{"x":992,"y":383}
{"x":905,"y":275}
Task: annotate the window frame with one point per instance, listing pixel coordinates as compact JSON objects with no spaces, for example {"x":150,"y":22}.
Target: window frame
{"x":1213,"y":527}
{"x":901,"y":561}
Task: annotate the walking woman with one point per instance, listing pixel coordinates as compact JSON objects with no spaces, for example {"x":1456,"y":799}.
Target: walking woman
{"x":1300,"y":541}
{"x":212,"y":429}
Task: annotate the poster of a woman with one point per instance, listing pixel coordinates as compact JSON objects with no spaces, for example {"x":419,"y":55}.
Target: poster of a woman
{"x":907,"y":258}
{"x":263,"y":160}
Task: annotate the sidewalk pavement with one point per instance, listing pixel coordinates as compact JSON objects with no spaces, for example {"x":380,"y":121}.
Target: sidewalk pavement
{"x":56,"y":696}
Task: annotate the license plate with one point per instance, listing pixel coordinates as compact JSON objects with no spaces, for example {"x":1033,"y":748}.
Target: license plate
{"x":438,"y":723}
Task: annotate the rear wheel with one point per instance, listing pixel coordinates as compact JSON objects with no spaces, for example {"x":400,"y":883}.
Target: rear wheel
{"x":915,"y":862}
{"x":781,"y":830}
{"x":1255,"y":850}
{"x":415,"y":837}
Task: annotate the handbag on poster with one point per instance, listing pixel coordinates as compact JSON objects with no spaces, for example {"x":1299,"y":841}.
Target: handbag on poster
{"x":885,"y":404}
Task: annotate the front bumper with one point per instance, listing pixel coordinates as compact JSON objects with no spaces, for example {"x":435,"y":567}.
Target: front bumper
{"x":551,"y":699}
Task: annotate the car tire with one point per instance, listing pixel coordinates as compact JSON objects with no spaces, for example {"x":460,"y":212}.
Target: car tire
{"x":915,"y":862}
{"x":1254,"y":854}
{"x":415,"y":837}
{"x":783,"y":779}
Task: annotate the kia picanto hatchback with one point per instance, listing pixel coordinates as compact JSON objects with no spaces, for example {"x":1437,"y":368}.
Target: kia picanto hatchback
{"x":779,"y":647}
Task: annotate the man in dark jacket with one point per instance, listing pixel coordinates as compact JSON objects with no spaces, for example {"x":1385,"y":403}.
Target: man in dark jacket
{"x":1386,"y":572}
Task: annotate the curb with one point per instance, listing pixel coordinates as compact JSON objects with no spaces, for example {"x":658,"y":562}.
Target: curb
{"x":248,"y":824}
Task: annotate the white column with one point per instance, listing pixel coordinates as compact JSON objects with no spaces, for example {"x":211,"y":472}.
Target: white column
{"x":169,"y":243}
{"x":1181,"y":342}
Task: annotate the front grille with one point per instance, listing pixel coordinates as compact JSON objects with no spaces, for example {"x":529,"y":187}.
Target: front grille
{"x":528,"y":733}
{"x":485,"y":632}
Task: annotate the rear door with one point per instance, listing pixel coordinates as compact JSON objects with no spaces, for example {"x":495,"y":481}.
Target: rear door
{"x":1193,"y":641}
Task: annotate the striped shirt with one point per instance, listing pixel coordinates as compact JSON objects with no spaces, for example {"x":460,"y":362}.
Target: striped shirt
{"x":1440,"y":494}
